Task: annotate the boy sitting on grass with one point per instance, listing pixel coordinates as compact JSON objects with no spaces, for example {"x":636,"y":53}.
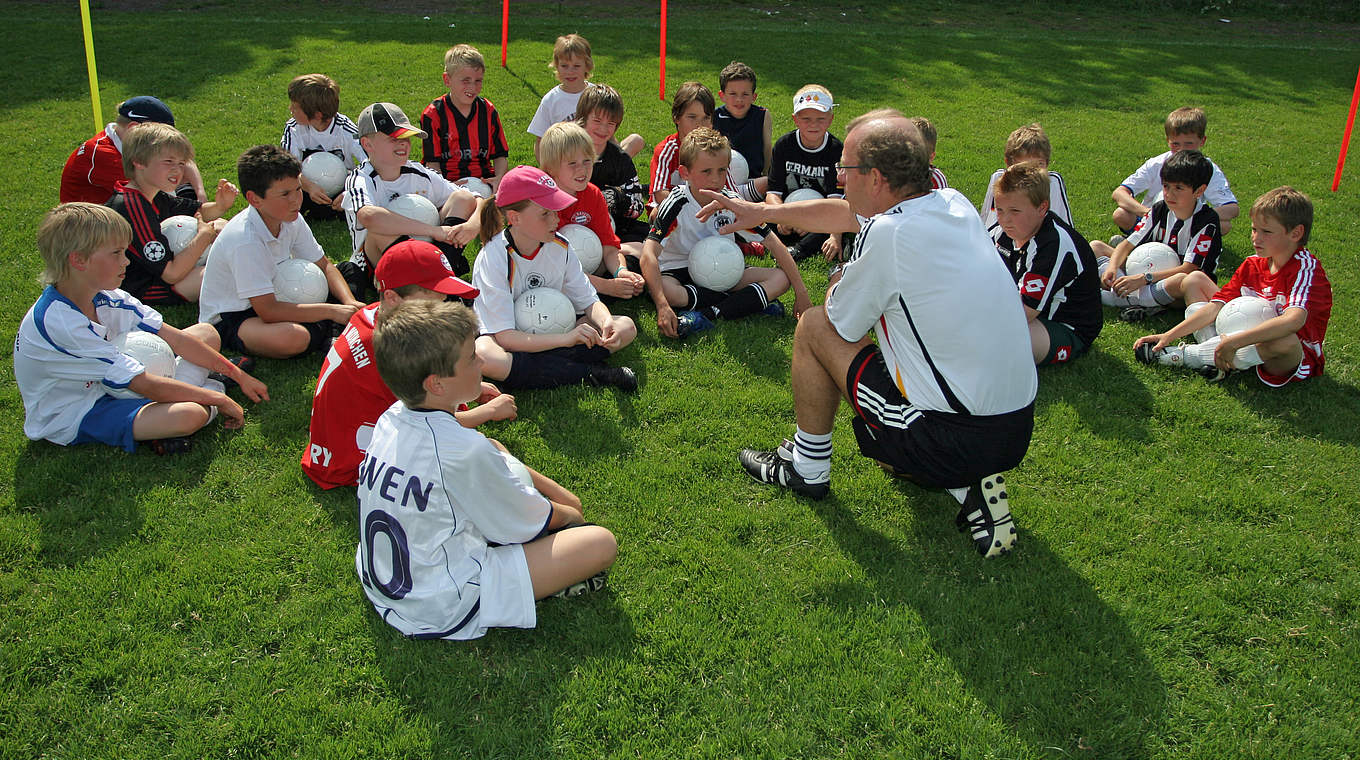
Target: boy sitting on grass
{"x":1285,"y":349}
{"x":317,"y":126}
{"x":805,"y":158}
{"x":350,"y":395}
{"x":458,"y":536}
{"x":746,"y":125}
{"x":1185,"y":130}
{"x":599,"y":112}
{"x":65,"y":360}
{"x":1030,"y":143}
{"x":238,"y":286}
{"x":463,"y":133}
{"x":156,"y":157}
{"x":1181,"y":220}
{"x":704,"y":158}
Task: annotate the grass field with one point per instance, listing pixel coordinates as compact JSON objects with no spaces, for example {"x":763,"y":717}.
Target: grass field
{"x":1184,"y":585}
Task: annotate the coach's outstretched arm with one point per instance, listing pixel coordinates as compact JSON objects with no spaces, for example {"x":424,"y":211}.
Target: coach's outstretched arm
{"x":825,"y":215}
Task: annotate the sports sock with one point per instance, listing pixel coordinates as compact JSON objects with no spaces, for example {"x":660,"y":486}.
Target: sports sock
{"x":702,"y":298}
{"x":188,"y":372}
{"x":959,"y":494}
{"x":1204,"y":333}
{"x":213,"y":385}
{"x":1201,"y":355}
{"x":740,"y":303}
{"x":812,"y":456}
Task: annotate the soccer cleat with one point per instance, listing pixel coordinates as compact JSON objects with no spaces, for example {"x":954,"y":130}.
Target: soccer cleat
{"x":595,"y":582}
{"x":1139,"y":313}
{"x":1115,"y":240}
{"x":687,"y":322}
{"x":169,"y":446}
{"x":771,"y":468}
{"x":623,"y":378}
{"x":752,"y":248}
{"x":1211,"y":374}
{"x":799,"y":253}
{"x":986,"y":514}
{"x":246,"y":365}
{"x":1171,"y":356}
{"x":773,"y":309}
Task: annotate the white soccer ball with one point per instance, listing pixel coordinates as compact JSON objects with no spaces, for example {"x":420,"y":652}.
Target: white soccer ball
{"x":1151,"y":257}
{"x":586,"y":244}
{"x":179,"y":231}
{"x":803,"y":194}
{"x":544,"y":310}
{"x":416,"y":207}
{"x":1243,"y":313}
{"x":738,"y":169}
{"x":327,"y":171}
{"x":716,"y":263}
{"x":298,"y":281}
{"x":476,"y":186}
{"x":149,"y":349}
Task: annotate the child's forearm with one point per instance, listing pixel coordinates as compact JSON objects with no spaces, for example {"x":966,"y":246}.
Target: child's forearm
{"x":651,"y":273}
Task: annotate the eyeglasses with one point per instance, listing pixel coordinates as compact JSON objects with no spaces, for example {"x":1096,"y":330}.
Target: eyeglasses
{"x":842,"y":168}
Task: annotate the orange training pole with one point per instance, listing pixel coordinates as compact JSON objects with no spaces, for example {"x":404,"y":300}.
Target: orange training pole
{"x":1346,"y":138}
{"x":663,"y":50}
{"x":505,"y":28}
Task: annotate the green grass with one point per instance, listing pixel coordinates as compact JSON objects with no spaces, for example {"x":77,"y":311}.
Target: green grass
{"x":1184,"y":585}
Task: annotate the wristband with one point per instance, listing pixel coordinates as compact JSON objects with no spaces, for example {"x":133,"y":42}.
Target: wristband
{"x":619,"y":271}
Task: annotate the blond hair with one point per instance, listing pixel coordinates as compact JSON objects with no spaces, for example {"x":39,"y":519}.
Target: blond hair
{"x":572,"y":46}
{"x":1287,"y":206}
{"x":145,"y":143}
{"x":416,"y":339}
{"x":702,"y":140}
{"x":1187,"y":121}
{"x":463,"y":55}
{"x":315,"y":94}
{"x":927,"y":130}
{"x":563,"y":140}
{"x":1029,"y":141}
{"x":77,"y":228}
{"x":1027,"y":177}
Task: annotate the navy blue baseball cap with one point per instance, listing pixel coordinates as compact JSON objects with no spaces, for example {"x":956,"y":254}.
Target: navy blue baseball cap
{"x":146,"y":108}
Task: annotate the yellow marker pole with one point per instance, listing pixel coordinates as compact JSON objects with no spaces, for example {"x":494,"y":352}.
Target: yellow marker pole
{"x":89,"y":63}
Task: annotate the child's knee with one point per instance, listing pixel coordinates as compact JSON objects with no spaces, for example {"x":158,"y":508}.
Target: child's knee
{"x":206,"y":333}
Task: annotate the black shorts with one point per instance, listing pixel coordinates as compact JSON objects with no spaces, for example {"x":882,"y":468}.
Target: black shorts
{"x":935,"y":449}
{"x":320,"y":334}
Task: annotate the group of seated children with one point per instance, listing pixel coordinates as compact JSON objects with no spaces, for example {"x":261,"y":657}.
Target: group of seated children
{"x":391,"y":401}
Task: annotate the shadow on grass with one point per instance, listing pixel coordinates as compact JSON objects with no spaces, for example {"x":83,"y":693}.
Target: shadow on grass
{"x":1320,"y":408}
{"x":1030,"y":638}
{"x":87,"y":498}
{"x":1088,"y":386}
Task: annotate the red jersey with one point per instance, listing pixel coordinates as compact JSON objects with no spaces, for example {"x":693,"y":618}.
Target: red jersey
{"x":464,"y":146}
{"x":93,"y":169}
{"x":1300,"y":283}
{"x":591,"y":210}
{"x":350,"y":397}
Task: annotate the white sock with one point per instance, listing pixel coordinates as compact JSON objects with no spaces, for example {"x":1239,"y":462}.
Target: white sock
{"x":213,"y":385}
{"x":1247,"y":358}
{"x":1201,"y":355}
{"x":812,"y":456}
{"x":1204,"y":333}
{"x":188,"y":372}
{"x":959,"y":493}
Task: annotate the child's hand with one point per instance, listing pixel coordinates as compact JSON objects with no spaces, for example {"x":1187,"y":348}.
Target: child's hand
{"x":801,"y":303}
{"x":635,"y":282}
{"x":585,"y":335}
{"x":502,"y":407}
{"x":254,"y":389}
{"x":338,"y":204}
{"x":341,"y":312}
{"x":233,"y":416}
{"x":1225,"y":355}
{"x":831,"y":249}
{"x":226,"y":194}
{"x":666,"y":322}
{"x":489,"y":392}
{"x":462,"y":234}
{"x":1129,"y":283}
{"x":784,"y":229}
{"x":320,"y":198}
{"x":1158,"y":341}
{"x":1108,"y":277}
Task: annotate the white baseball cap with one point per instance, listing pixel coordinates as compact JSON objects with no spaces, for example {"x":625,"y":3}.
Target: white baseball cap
{"x":814,"y":99}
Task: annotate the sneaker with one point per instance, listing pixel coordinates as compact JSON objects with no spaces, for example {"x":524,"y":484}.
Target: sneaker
{"x":688,"y":322}
{"x":1115,"y":240}
{"x":773,"y":309}
{"x":1139,"y":313}
{"x":244,"y":363}
{"x":1171,"y":356}
{"x":751,"y":248}
{"x":1211,"y":374}
{"x":358,"y":279}
{"x":169,"y":446}
{"x":623,"y":378}
{"x":595,"y":582}
{"x":986,"y":514}
{"x":769,"y":467}
{"x":798,"y":252}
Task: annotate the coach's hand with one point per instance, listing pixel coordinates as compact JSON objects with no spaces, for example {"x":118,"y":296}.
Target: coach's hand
{"x":748,"y":215}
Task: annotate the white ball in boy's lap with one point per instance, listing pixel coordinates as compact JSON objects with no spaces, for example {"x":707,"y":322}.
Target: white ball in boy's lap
{"x":716,"y":263}
{"x":803,"y":194}
{"x":149,"y":349}
{"x":1151,"y":257}
{"x":738,"y":169}
{"x":416,"y":207}
{"x":1243,"y":313}
{"x":179,"y":231}
{"x":327,"y":171}
{"x":475,"y":185}
{"x":544,"y":310}
{"x":298,"y":281}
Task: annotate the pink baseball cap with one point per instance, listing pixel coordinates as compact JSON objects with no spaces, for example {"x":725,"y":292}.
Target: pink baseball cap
{"x":416,"y":262}
{"x":527,"y":183}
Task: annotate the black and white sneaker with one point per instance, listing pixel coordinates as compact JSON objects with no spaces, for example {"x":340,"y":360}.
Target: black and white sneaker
{"x":595,"y":582}
{"x":1139,"y":313}
{"x":623,"y":378}
{"x":769,"y":467}
{"x":986,"y":514}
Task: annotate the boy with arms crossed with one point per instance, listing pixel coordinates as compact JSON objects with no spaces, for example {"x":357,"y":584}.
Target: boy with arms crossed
{"x":458,"y":536}
{"x":1285,"y":349}
{"x":65,"y":360}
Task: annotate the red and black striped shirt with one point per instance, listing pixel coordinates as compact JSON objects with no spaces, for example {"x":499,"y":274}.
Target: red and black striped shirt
{"x":463,"y":146}
{"x":149,"y":252}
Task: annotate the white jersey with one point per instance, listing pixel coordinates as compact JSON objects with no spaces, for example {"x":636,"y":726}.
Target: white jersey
{"x":341,"y":138}
{"x":925,"y":276}
{"x":243,"y":259}
{"x":1057,"y":199}
{"x":1148,"y":179}
{"x":365,"y":187}
{"x":557,"y":105}
{"x":432,"y":495}
{"x":674,"y":226}
{"x":63,"y":361}
{"x":502,"y":273}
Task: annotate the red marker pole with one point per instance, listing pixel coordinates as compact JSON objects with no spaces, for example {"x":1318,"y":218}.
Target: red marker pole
{"x":505,"y":28}
{"x":1346,"y":139}
{"x":663,"y":51}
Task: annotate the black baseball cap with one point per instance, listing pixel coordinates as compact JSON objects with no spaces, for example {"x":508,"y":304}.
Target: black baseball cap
{"x":146,"y":108}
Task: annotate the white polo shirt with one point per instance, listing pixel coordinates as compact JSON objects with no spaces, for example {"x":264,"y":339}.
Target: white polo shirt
{"x":63,"y":361}
{"x":924,"y":275}
{"x":243,"y":259}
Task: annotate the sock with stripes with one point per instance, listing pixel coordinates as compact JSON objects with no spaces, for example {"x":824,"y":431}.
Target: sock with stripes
{"x":812,"y":456}
{"x":739,"y":303}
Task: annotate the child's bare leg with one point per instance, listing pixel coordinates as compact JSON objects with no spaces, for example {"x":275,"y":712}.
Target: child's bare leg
{"x":773,"y":281}
{"x":275,"y":340}
{"x":1281,"y":356}
{"x":1038,"y":340}
{"x":162,"y":420}
{"x":190,"y":285}
{"x":676,"y":295}
{"x":1123,"y":219}
{"x":374,"y":245}
{"x":569,"y":556}
{"x":496,"y":361}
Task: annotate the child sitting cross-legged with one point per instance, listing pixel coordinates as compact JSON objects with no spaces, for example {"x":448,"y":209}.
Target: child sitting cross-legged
{"x":457,"y":535}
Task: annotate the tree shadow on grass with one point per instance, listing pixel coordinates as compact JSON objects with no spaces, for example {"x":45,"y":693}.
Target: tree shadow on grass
{"x":1111,"y":401}
{"x":87,"y":498}
{"x":1030,"y":638}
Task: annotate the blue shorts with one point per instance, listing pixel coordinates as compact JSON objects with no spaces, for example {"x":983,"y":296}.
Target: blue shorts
{"x":110,"y":421}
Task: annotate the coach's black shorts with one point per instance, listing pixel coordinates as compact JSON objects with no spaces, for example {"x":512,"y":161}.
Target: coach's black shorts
{"x":935,"y":449}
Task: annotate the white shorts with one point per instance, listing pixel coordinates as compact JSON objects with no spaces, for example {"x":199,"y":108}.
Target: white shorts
{"x":507,"y":593}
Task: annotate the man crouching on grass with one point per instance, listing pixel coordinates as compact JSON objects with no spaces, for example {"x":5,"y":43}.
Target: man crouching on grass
{"x":946,"y":397}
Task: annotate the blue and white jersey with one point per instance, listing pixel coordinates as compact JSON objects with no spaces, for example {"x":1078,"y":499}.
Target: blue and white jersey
{"x":63,"y":361}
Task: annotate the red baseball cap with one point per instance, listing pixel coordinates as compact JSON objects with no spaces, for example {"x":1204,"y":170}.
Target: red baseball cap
{"x":528,"y":183}
{"x":416,"y":262}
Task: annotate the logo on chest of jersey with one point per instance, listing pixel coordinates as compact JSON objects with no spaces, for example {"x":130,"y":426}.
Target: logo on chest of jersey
{"x":804,"y":170}
{"x":534,"y":280}
{"x":580,"y":217}
{"x":153,"y":251}
{"x":721,"y":219}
